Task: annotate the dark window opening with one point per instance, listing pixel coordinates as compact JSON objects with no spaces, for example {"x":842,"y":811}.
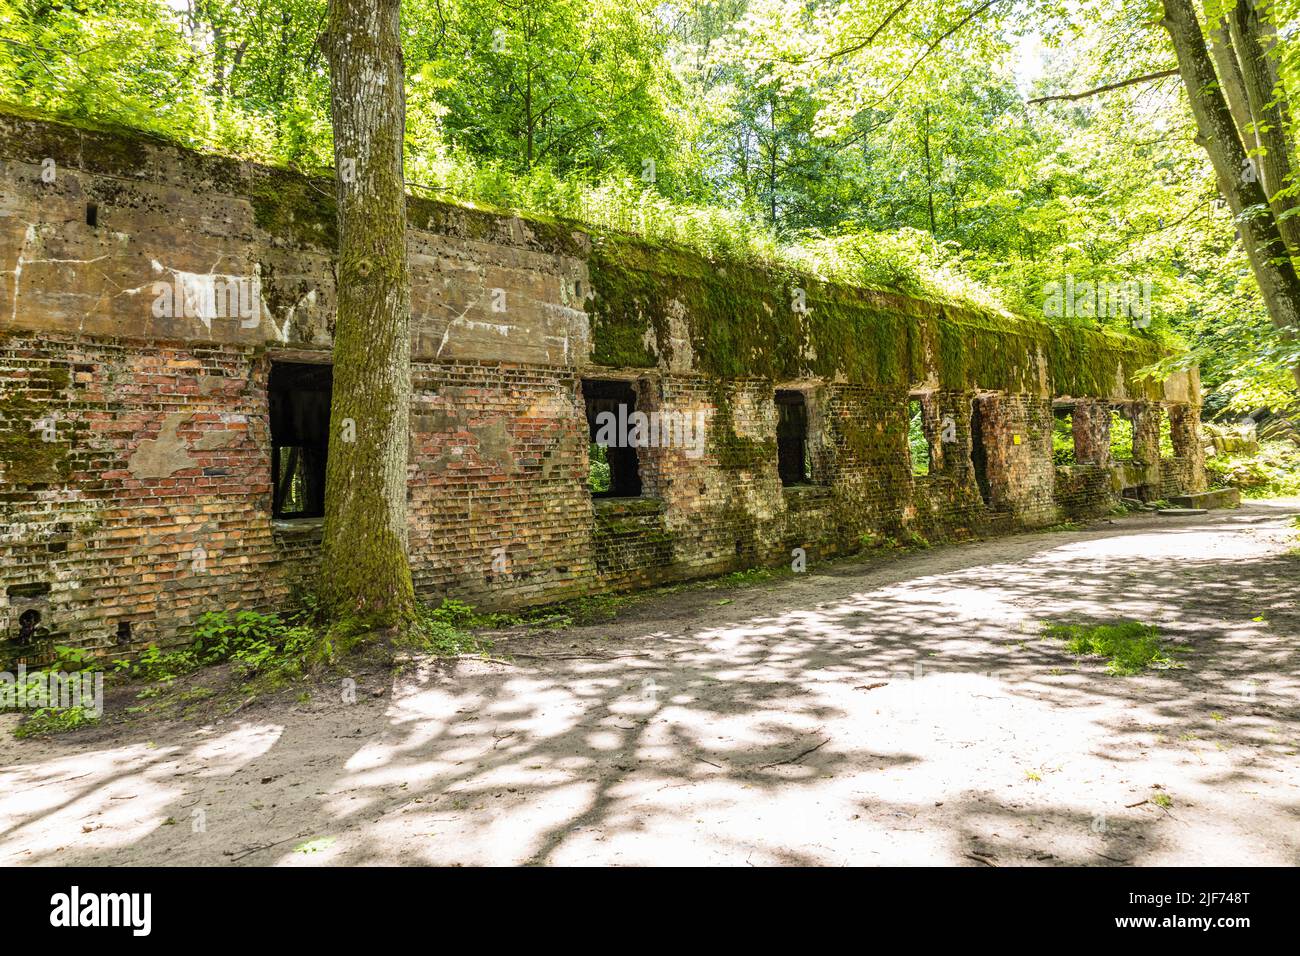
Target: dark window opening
{"x":793,"y":462}
{"x":92,"y":214}
{"x":1121,"y":436}
{"x":979,"y":457}
{"x":28,"y":621}
{"x":918,"y":445}
{"x":1063,"y":452}
{"x":299,"y":396}
{"x":614,"y":471}
{"x":123,"y":632}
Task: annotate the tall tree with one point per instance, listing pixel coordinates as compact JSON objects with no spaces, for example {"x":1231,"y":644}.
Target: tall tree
{"x":1239,"y":181}
{"x":366,"y":578}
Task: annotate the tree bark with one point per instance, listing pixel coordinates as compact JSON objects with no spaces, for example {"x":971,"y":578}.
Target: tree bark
{"x":929,"y":175}
{"x":1266,"y":101}
{"x":1229,"y":69}
{"x":366,"y":578}
{"x":1274,"y":271}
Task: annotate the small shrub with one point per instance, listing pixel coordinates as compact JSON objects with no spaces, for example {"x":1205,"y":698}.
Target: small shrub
{"x":454,"y":613}
{"x":439,"y":630}
{"x":53,"y":720}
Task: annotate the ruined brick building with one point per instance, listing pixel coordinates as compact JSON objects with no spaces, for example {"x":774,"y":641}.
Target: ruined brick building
{"x":165,"y":322}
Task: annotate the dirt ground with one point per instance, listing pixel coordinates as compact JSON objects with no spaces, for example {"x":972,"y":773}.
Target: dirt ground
{"x":902,"y":710}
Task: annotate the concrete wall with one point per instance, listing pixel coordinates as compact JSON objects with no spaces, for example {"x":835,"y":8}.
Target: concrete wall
{"x":135,"y":469}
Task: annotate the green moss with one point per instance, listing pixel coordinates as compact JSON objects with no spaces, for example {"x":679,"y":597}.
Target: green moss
{"x":295,"y":208}
{"x":487,"y":223}
{"x":743,"y":324}
{"x":735,"y":451}
{"x":26,"y":458}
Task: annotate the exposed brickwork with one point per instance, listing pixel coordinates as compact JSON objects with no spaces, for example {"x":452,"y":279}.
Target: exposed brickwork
{"x":135,"y":462}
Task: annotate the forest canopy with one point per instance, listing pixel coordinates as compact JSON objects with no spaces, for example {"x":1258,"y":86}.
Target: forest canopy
{"x":1037,"y":156}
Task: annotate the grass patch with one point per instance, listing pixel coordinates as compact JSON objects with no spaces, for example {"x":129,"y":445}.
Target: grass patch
{"x":738,"y":579}
{"x":1128,"y":647}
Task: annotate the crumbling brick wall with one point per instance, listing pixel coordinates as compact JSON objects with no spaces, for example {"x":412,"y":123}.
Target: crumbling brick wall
{"x":135,"y":459}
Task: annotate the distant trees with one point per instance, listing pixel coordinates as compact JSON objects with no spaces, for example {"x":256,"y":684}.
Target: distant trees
{"x":826,"y":121}
{"x":575,"y":85}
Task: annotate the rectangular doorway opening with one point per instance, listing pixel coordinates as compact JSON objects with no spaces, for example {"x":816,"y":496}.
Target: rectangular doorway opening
{"x":979,"y":457}
{"x":792,"y":462}
{"x":614,"y":470}
{"x":918,"y":443}
{"x":299,"y":396}
{"x":1121,"y":434}
{"x":1063,"y":452}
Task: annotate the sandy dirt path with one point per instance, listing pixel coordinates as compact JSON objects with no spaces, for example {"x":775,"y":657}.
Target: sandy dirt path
{"x":897,"y":711}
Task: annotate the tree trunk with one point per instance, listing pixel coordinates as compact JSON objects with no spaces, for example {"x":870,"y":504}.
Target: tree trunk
{"x":366,"y":580}
{"x":1266,"y":101}
{"x":1234,"y":87}
{"x":929,"y":174}
{"x":1216,"y":132}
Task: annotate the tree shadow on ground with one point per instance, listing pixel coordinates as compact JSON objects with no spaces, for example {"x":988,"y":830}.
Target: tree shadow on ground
{"x":904,"y":712}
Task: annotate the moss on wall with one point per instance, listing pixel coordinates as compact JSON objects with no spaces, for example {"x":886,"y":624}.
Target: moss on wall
{"x":26,"y":458}
{"x":735,"y":451}
{"x":743,"y":323}
{"x":295,"y":208}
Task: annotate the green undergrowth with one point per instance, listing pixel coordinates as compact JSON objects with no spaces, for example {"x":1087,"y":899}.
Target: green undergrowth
{"x":42,"y":721}
{"x":264,"y":651}
{"x":254,"y":643}
{"x":1062,"y":526}
{"x":1271,"y":472}
{"x":54,"y":720}
{"x":1128,"y":647}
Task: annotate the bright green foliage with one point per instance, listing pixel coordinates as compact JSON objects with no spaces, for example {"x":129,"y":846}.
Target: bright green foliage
{"x":917,"y":444}
{"x":570,"y":85}
{"x":1166,"y":437}
{"x":1129,"y":647}
{"x":256,"y":643}
{"x":598,"y":477}
{"x":1121,"y":436}
{"x":880,"y":144}
{"x":1063,"y":439}
{"x":443,"y":630}
{"x":51,"y":720}
{"x":1272,"y":472}
{"x":54,"y":720}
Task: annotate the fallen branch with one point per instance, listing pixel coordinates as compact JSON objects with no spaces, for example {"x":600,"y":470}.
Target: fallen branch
{"x":797,"y":757}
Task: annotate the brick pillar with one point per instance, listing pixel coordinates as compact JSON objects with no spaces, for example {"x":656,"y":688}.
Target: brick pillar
{"x":1185,"y":432}
{"x":1146,"y":433}
{"x":1091,"y":422}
